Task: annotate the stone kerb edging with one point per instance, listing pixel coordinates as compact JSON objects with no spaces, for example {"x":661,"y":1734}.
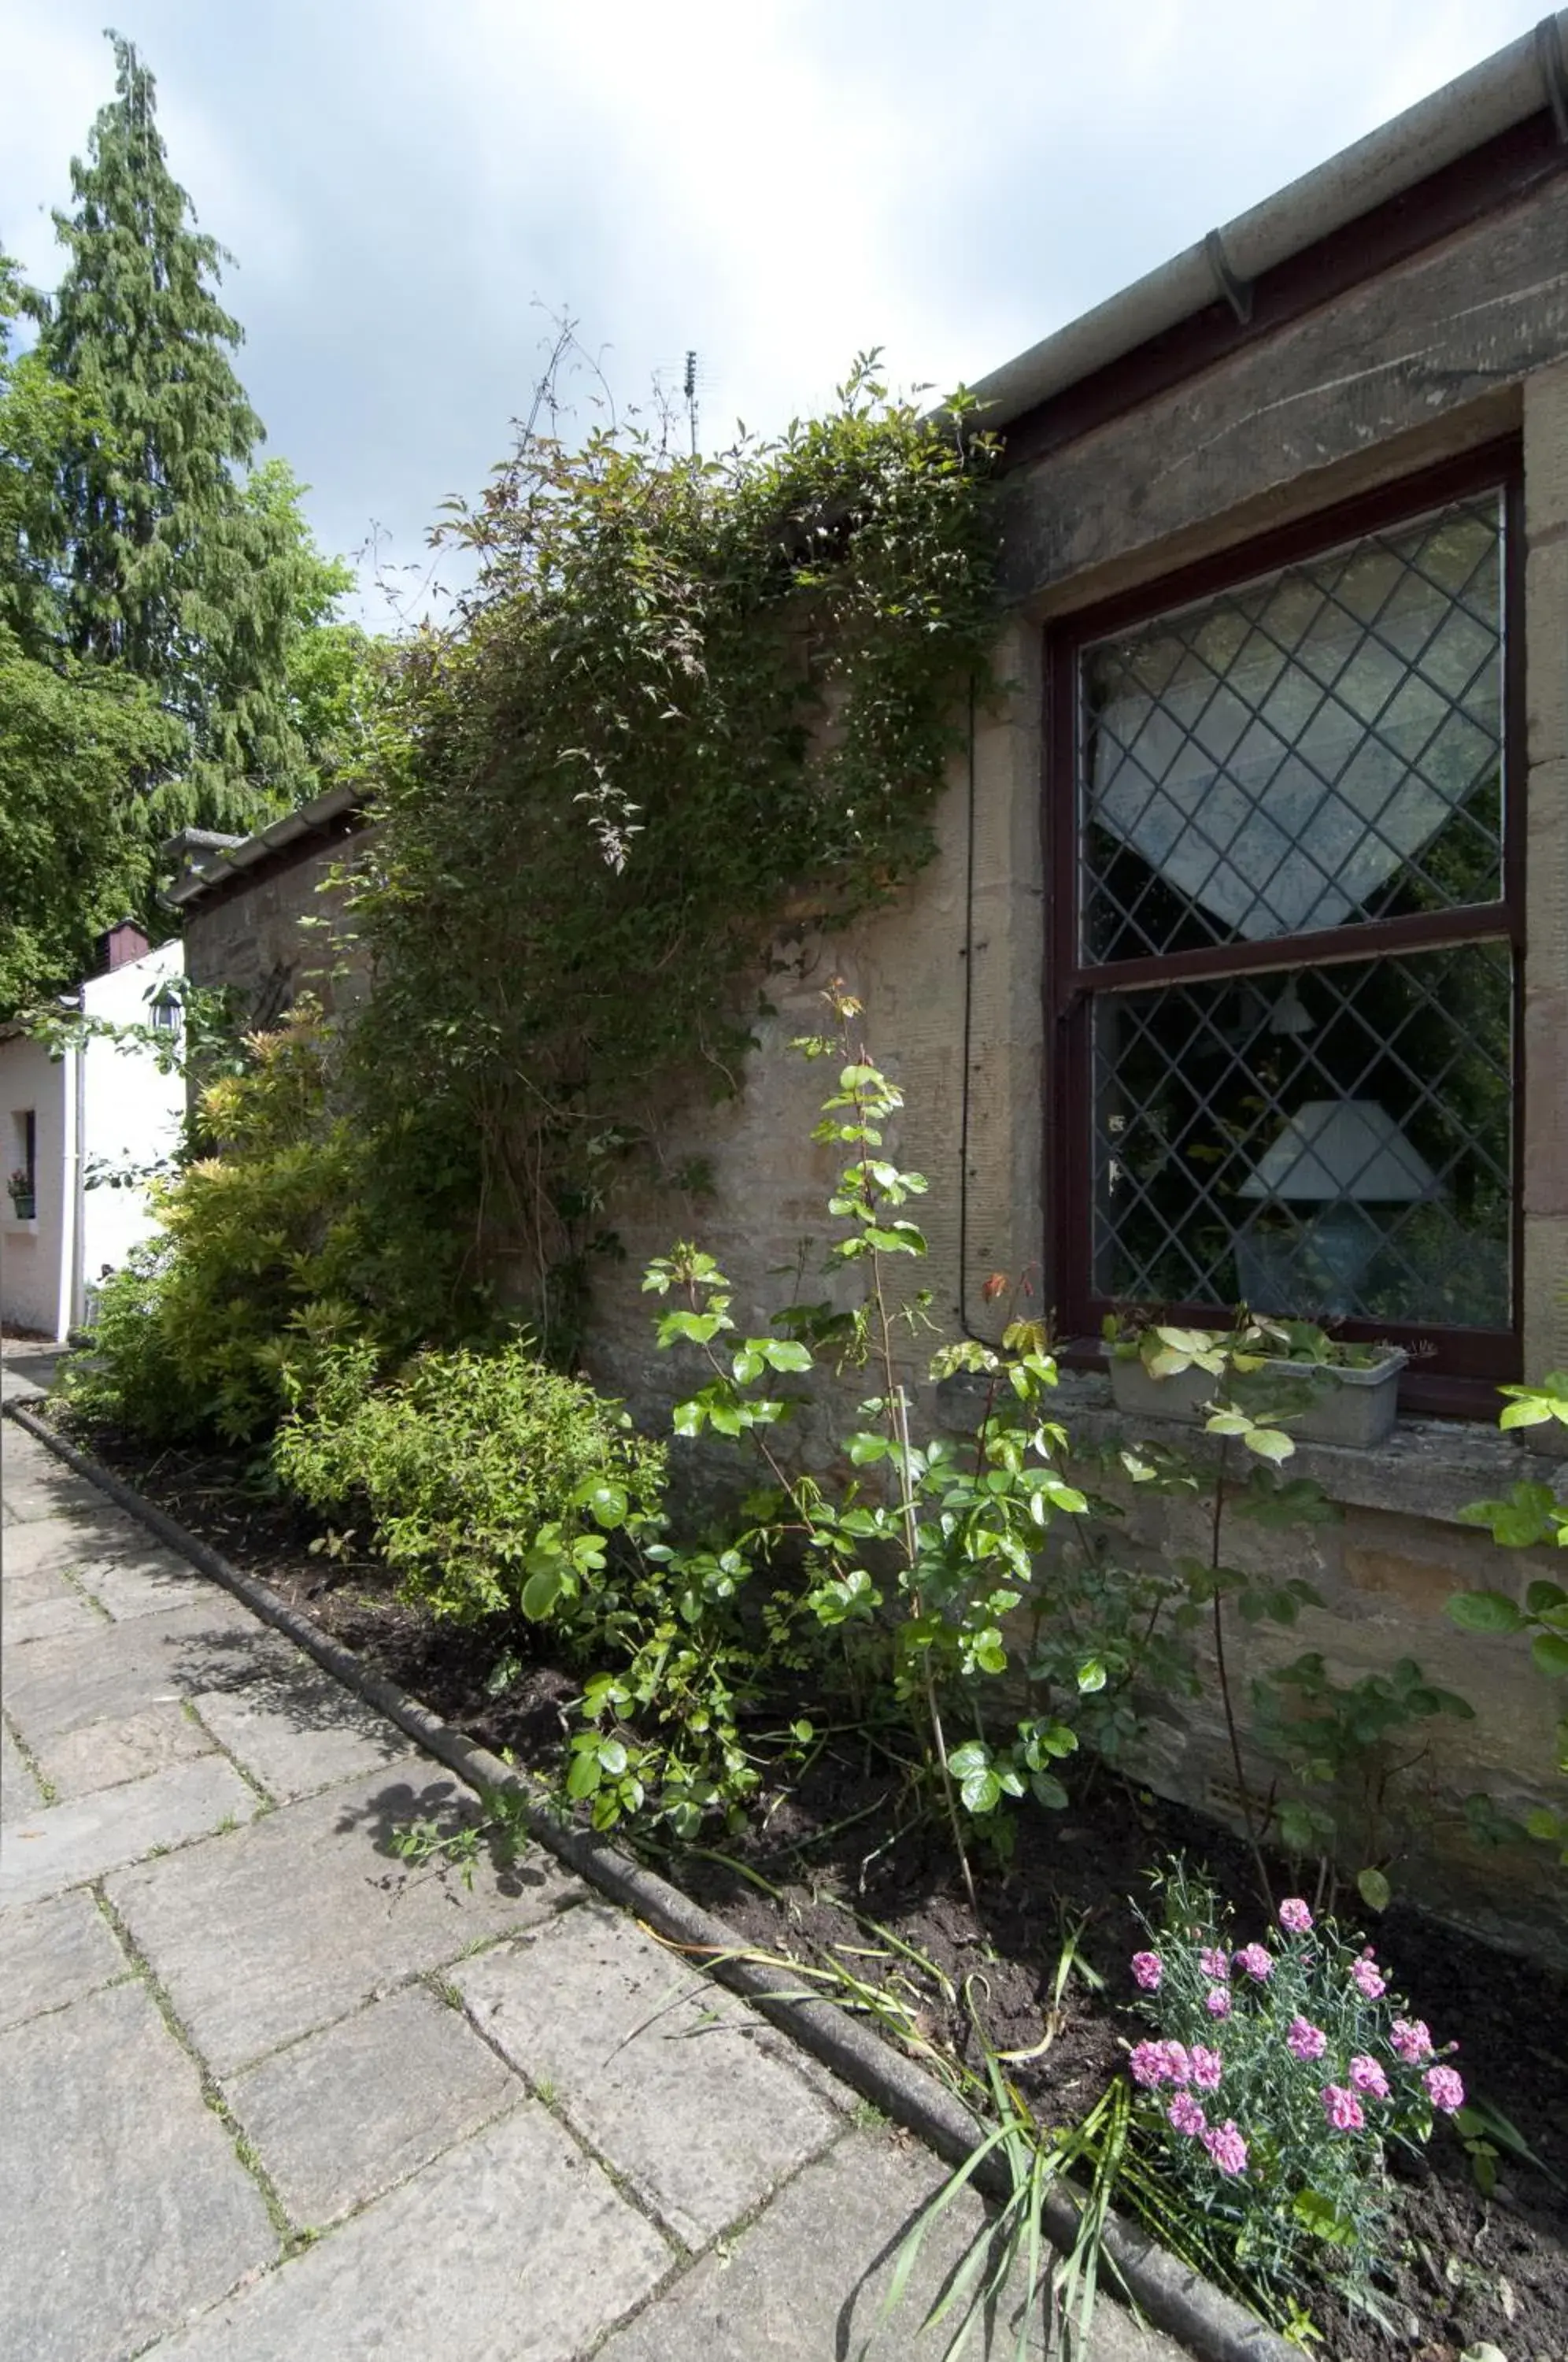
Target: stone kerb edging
{"x":1173,"y":2297}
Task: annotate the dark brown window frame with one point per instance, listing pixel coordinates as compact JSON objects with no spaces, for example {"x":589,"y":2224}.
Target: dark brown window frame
{"x":1455,"y":1372}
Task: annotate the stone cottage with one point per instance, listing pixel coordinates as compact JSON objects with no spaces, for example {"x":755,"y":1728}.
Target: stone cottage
{"x":1242,"y":972}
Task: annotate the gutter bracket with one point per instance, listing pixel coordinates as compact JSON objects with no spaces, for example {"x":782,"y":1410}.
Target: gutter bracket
{"x":1238,"y":293}
{"x":1555,"y":74}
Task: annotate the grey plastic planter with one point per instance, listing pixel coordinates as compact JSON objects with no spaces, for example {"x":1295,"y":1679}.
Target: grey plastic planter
{"x":1354,"y":1407}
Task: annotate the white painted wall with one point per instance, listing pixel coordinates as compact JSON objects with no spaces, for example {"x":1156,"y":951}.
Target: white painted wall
{"x":132,"y":1111}
{"x":130,"y":1115}
{"x":31,"y":1254}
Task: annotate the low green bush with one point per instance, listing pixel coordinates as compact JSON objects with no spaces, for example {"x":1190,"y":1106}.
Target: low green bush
{"x":488,"y":1479}
{"x":259,"y":1261}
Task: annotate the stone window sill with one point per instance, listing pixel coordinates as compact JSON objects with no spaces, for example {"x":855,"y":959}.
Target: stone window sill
{"x":1426,"y":1468}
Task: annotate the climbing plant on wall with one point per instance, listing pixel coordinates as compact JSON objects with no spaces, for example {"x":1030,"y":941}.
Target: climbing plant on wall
{"x":685,"y":699}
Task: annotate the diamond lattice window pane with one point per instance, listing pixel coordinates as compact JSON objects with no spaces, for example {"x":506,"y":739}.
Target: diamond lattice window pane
{"x":1332,"y":1142}
{"x":1316,"y":749}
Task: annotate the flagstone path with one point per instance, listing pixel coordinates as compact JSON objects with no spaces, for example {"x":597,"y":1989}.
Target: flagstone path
{"x":271,"y":2094}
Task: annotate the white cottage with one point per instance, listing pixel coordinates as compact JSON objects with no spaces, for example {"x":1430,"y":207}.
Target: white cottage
{"x":71,"y":1122}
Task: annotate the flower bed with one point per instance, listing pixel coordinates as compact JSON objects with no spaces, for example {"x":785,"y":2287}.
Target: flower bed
{"x":1466,"y":2266}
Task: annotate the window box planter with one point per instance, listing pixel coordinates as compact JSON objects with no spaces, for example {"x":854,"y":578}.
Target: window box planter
{"x":1345,"y":1404}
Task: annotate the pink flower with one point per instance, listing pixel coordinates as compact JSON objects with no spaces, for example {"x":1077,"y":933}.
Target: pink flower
{"x":1217,"y":2001}
{"x":1343,"y":2108}
{"x":1148,"y":1968}
{"x":1186,"y":2115}
{"x":1368,"y":2076}
{"x":1153,"y":2063}
{"x":1295,"y":1916}
{"x":1367,"y":1980}
{"x":1412,"y":2039}
{"x":1306,"y":2040}
{"x":1206,"y":2066}
{"x":1214,"y":1962}
{"x":1445,"y":2089}
{"x":1256,"y":1962}
{"x":1226,"y":2146}
{"x":1148,"y":2064}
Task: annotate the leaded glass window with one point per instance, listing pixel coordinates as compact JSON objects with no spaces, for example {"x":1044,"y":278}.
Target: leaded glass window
{"x":1286,"y":960}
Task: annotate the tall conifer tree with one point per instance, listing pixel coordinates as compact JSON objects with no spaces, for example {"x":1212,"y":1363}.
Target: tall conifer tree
{"x":171,"y":571}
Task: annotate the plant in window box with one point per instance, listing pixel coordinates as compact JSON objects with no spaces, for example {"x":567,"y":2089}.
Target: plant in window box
{"x":1260,"y":1373}
{"x":19,"y":1188}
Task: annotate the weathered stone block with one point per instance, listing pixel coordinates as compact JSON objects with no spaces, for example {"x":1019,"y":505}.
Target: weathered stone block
{"x":664,"y":2072}
{"x":344,"y":2114}
{"x":124,"y":2204}
{"x":513,"y":2244}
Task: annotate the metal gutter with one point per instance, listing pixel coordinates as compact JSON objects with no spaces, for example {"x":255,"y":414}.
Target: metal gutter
{"x":1528,"y":78}
{"x":219,"y":867}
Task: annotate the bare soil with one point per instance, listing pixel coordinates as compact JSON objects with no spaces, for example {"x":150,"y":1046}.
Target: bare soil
{"x":840,"y":1840}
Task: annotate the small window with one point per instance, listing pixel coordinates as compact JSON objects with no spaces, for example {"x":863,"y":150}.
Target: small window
{"x":21,"y":1182}
{"x":1288,"y":919}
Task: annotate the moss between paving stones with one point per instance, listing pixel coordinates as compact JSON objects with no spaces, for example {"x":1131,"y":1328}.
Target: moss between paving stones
{"x":1173,"y":2297}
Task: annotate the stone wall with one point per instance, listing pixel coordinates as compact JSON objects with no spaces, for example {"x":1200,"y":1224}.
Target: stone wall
{"x":247,"y":932}
{"x":1447,"y":353}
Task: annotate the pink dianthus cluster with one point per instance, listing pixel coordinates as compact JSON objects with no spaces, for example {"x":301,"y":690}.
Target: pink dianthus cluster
{"x":1368,"y":1980}
{"x":1412,"y":2038}
{"x":1445,"y":2089}
{"x":1294,"y":1915}
{"x":1226,"y":2146}
{"x":1153,"y":2063}
{"x":1217,"y":2001}
{"x":1368,"y":2076}
{"x":1256,"y":1962}
{"x":1304,"y":2041}
{"x":1186,"y":2115}
{"x":1215,"y":1961}
{"x":1343,"y":2108}
{"x":1148,"y":1968}
{"x":1206,"y":2066}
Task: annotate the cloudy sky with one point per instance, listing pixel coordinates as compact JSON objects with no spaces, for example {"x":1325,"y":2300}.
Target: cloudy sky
{"x":409,"y":189}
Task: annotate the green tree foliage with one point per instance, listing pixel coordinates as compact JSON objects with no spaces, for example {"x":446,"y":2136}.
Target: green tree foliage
{"x":75,"y":741}
{"x":176,"y":566}
{"x":687,"y":697}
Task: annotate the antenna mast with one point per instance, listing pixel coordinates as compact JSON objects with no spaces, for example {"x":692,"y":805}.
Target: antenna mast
{"x":691,"y":397}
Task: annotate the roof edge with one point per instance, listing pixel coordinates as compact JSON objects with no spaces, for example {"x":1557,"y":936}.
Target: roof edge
{"x":1527,"y":78}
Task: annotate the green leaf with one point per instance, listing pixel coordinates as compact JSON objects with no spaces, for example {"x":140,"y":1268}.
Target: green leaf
{"x":981,"y":1791}
{"x":1091,"y":1675}
{"x":1270,"y":1442}
{"x":540,"y":1592}
{"x":1484,"y":1611}
{"x":1549,"y":1653}
{"x":584,"y":1775}
{"x":1374,"y":1889}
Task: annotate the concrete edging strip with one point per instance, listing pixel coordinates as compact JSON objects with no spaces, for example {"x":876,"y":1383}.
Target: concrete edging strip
{"x":1171,"y":2296}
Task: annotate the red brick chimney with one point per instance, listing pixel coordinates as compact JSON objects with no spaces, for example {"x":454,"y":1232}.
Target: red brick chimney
{"x":123,"y":942}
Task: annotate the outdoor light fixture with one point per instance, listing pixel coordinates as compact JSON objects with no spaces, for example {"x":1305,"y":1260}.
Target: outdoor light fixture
{"x":1342,"y":1155}
{"x":166,"y":1010}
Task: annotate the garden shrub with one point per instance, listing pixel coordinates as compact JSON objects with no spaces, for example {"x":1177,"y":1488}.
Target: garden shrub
{"x":488,"y":1479}
{"x":1281,"y":2073}
{"x":261,"y":1257}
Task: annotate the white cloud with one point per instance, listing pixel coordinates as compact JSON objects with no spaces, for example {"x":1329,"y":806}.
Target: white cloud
{"x":776,"y":183}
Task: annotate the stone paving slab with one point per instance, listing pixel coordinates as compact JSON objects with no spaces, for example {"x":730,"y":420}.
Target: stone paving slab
{"x":58,"y":1545}
{"x":653,"y":2064}
{"x":63,"y":1844}
{"x":42,"y":1607}
{"x":52,"y":1954}
{"x":806,"y":2282}
{"x":344,"y":2114}
{"x":137,"y":2210}
{"x":19,"y":1792}
{"x":298,"y":1730}
{"x":515,"y":2247}
{"x":115,"y":1670}
{"x":296,"y":1920}
{"x":123,"y":1747}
